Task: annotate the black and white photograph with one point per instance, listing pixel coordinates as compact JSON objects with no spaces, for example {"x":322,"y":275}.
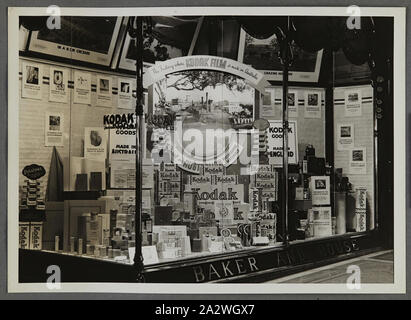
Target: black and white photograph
{"x":353,"y":97}
{"x":176,"y":159}
{"x":82,"y":87}
{"x":345,"y":136}
{"x":353,"y":103}
{"x":104,"y":93}
{"x":312,"y":99}
{"x":207,"y":100}
{"x":125,"y":93}
{"x":90,"y":39}
{"x":104,"y":86}
{"x":54,"y":123}
{"x":320,"y":184}
{"x":32,"y":75}
{"x":345,"y":131}
{"x":58,"y":91}
{"x":125,"y":87}
{"x":291,"y":99}
{"x":358,"y":161}
{"x":58,"y":79}
{"x":357,"y":155}
{"x":54,"y":129}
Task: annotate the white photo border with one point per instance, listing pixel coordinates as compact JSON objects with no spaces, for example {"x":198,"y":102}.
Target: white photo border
{"x":399,"y":285}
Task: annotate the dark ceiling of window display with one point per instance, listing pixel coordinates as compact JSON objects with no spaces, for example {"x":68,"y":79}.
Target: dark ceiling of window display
{"x":175,"y":31}
{"x":89,"y":33}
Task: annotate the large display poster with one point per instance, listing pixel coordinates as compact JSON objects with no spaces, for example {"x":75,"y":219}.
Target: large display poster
{"x":104,"y":97}
{"x":54,"y":128}
{"x":262,"y":54}
{"x":32,"y":81}
{"x":87,"y":38}
{"x":82,"y":87}
{"x":58,"y":89}
{"x":275,"y":143}
{"x":95,"y":143}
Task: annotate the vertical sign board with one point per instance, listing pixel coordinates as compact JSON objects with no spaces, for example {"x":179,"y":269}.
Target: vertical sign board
{"x":275,"y":143}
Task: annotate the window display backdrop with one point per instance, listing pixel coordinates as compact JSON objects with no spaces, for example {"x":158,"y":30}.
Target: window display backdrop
{"x":93,"y":95}
{"x":64,"y":107}
{"x":75,"y":116}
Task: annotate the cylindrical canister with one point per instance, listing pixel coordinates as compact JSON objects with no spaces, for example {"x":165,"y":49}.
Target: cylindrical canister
{"x":80,"y":246}
{"x":340,"y":212}
{"x":72,"y":244}
{"x":361,"y":198}
{"x":89,"y":249}
{"x":110,"y":252}
{"x":56,"y":243}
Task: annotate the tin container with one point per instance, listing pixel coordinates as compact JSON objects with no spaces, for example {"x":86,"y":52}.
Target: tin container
{"x":254,"y":199}
{"x":361,"y":198}
{"x":72,"y":244}
{"x":89,"y":249}
{"x":80,"y":246}
{"x":56,"y":243}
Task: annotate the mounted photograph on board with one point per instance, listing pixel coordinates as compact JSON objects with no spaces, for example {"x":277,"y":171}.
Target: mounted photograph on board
{"x":173,"y":36}
{"x":87,"y":39}
{"x":262,"y":54}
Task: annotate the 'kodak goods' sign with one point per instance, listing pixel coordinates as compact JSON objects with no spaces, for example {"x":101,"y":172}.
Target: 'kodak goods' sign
{"x":275,"y":143}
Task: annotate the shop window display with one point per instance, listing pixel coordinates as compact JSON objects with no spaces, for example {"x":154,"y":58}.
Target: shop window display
{"x":213,"y":176}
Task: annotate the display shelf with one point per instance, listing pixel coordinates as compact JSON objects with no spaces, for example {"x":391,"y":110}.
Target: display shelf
{"x":253,"y":264}
{"x":265,"y":262}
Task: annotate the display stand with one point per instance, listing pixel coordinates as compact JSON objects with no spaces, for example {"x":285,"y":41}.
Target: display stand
{"x":135,"y":29}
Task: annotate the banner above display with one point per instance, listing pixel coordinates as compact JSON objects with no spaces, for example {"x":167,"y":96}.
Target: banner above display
{"x":160,"y":70}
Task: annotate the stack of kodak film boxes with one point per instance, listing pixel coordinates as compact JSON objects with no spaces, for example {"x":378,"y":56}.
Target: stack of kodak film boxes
{"x":30,"y":235}
{"x":171,"y":241}
{"x":361,"y":209}
{"x":32,"y":195}
{"x":319,"y":222}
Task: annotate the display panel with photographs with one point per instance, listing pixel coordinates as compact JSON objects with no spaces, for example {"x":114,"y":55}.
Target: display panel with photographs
{"x":288,"y":203}
{"x":82,"y":38}
{"x":262,"y":54}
